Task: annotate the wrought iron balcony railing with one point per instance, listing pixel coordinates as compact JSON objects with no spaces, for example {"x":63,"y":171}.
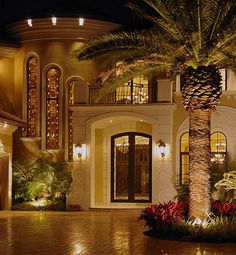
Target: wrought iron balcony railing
{"x":125,"y":94}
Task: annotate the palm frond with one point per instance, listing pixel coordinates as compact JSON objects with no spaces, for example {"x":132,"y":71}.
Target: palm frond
{"x":123,"y":41}
{"x":129,"y":71}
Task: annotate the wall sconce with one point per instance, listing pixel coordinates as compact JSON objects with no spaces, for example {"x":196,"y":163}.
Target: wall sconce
{"x":162,"y":147}
{"x":79,"y":149}
{"x":2,"y":147}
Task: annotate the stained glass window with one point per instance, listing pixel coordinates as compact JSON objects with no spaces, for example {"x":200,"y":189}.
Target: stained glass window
{"x":52,"y":108}
{"x":32,"y":97}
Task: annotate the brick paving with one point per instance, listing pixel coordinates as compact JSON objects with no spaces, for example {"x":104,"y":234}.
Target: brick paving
{"x":89,"y":233}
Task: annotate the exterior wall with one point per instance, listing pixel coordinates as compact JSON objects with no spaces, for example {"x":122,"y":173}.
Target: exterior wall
{"x":7,"y":95}
{"x":49,"y":52}
{"x":6,"y":163}
{"x":99,"y":162}
{"x":93,"y":124}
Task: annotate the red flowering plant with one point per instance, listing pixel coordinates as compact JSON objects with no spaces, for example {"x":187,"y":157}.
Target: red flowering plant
{"x":149,"y":215}
{"x":164,"y":213}
{"x":223,"y":208}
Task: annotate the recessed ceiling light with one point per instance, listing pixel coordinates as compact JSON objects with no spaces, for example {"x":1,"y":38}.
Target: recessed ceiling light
{"x":111,"y":121}
{"x":54,"y":21}
{"x":81,"y":21}
{"x":29,"y":22}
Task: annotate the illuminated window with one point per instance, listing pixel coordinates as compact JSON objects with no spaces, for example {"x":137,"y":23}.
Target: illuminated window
{"x":136,"y":91}
{"x":32,"y":96}
{"x":184,"y":158}
{"x":218,"y":152}
{"x":218,"y":147}
{"x":52,"y":108}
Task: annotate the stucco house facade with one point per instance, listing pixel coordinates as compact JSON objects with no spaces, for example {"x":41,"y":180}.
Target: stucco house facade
{"x":51,"y":101}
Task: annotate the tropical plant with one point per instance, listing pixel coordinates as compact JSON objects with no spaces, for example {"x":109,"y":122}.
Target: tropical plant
{"x":194,"y":38}
{"x":223,"y":208}
{"x":228,"y":182}
{"x":169,"y":220}
{"x":163,"y":213}
{"x":217,"y":170}
{"x":40,"y":180}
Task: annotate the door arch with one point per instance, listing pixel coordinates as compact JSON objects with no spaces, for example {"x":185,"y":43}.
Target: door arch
{"x":131,"y":167}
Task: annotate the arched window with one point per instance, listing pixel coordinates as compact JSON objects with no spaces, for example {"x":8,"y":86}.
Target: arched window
{"x":218,"y":147}
{"x":184,"y":158}
{"x":218,"y":152}
{"x":32,"y":96}
{"x":52,"y":108}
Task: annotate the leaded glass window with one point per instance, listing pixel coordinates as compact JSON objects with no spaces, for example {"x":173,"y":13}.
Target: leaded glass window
{"x":32,"y":96}
{"x":52,"y":108}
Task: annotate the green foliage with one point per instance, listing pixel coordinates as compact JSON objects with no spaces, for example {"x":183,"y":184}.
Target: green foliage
{"x":40,"y":179}
{"x":218,"y":171}
{"x":183,"y":34}
{"x":228,"y":182}
{"x":213,"y":229}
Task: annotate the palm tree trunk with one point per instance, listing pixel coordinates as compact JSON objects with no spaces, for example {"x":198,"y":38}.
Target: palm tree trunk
{"x":200,"y":161}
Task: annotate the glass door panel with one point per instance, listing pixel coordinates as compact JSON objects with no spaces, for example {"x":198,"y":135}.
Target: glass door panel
{"x":142,"y":166}
{"x":121,"y":167}
{"x":131,"y":168}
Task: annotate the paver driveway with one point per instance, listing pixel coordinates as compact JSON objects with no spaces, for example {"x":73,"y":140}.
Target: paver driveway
{"x":90,"y":232}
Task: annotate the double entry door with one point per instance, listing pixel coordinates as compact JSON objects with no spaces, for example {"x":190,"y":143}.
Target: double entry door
{"x":131,"y":162}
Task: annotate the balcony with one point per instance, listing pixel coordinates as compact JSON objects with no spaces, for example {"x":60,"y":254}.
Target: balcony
{"x":130,"y":93}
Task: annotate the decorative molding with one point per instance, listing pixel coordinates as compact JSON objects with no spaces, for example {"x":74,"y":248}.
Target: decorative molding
{"x":66,"y":28}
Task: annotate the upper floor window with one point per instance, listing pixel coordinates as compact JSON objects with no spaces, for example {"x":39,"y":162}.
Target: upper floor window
{"x":32,"y":96}
{"x":218,"y":144}
{"x":52,"y":108}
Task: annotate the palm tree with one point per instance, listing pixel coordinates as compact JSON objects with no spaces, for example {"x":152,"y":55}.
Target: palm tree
{"x":193,"y":38}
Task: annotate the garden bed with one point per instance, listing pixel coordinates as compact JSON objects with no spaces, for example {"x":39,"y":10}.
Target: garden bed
{"x":169,"y":221}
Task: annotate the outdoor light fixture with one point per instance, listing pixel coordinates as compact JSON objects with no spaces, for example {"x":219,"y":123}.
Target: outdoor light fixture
{"x":162,"y":147}
{"x":1,"y":146}
{"x":29,"y":22}
{"x":81,"y":21}
{"x":79,"y":149}
{"x":54,"y":21}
